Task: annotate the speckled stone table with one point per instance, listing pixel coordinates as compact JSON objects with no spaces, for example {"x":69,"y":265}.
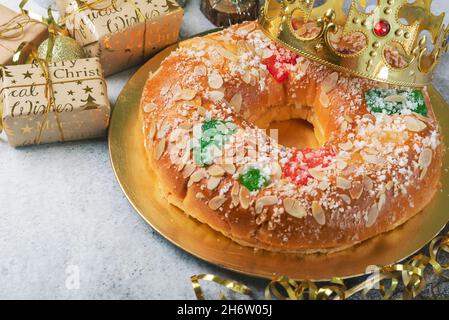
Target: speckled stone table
{"x":68,"y":232}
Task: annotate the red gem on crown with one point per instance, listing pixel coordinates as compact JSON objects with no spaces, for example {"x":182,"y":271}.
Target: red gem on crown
{"x":382,"y":28}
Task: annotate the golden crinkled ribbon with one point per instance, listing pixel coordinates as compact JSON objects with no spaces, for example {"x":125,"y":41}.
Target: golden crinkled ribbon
{"x":230,"y":284}
{"x":301,"y":290}
{"x":411,"y":276}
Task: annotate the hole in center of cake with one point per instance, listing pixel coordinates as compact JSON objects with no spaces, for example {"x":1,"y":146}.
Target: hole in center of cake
{"x":295,"y":133}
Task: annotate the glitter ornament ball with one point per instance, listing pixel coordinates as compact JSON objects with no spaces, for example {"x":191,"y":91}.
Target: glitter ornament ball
{"x":64,"y":48}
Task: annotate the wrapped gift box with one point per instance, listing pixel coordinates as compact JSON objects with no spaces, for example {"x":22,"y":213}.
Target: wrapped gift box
{"x":33,"y":32}
{"x":123,"y":33}
{"x":80,"y":110}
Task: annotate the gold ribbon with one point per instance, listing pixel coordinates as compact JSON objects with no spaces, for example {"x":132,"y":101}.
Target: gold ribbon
{"x":230,"y":284}
{"x":410,"y":274}
{"x":15,"y":27}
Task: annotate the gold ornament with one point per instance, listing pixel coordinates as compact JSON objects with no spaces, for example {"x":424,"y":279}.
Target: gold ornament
{"x":64,"y":48}
{"x":395,"y":24}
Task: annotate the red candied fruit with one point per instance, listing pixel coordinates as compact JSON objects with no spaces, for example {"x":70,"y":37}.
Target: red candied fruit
{"x":278,"y":64}
{"x":297,"y":167}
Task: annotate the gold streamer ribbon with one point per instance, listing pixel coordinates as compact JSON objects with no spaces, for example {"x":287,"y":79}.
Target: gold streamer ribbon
{"x":230,"y":284}
{"x":411,"y":275}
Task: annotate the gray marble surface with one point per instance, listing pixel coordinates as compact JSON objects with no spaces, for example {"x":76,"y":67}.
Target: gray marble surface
{"x":68,"y":232}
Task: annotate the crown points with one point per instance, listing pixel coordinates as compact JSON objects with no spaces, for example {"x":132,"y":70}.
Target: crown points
{"x":385,"y":44}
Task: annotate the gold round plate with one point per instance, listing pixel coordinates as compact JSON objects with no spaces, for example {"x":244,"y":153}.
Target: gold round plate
{"x":137,"y":181}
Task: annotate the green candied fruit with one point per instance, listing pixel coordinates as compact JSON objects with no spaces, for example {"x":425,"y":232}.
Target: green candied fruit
{"x":253,"y":180}
{"x":214,"y":134}
{"x":392,"y":101}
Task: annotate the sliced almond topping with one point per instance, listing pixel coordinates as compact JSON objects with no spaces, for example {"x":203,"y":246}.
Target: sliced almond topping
{"x":235,"y":193}
{"x":389,"y":185}
{"x":382,"y":200}
{"x":216,"y":95}
{"x":343,"y":183}
{"x":186,"y":125}
{"x":345,"y":198}
{"x":317,"y":173}
{"x":264,"y":202}
{"x":188,"y":170}
{"x":244,"y":196}
{"x":149,"y":107}
{"x":200,"y":195}
{"x":266,"y":53}
{"x":324,"y":99}
{"x":236,"y":101}
{"x":341,"y":165}
{"x":425,"y":158}
{"x":160,"y":148}
{"x":423,"y":173}
{"x":368,"y":183}
{"x":318,"y":213}
{"x":371,"y":217}
{"x":213,"y":182}
{"x":347,"y":146}
{"x":246,"y":77}
{"x":356,"y":190}
{"x":215,"y":81}
{"x":162,"y":132}
{"x":276,"y":171}
{"x":216,"y":202}
{"x":152,"y":132}
{"x":323,"y":185}
{"x":187,"y":94}
{"x":216,"y":170}
{"x":174,"y":135}
{"x":229,"y":168}
{"x":200,"y":70}
{"x":414,"y":124}
{"x":202,"y":111}
{"x":294,"y":208}
{"x":395,"y":98}
{"x":369,"y":158}
{"x":330,"y":82}
{"x":197,"y":176}
{"x":243,"y":31}
{"x":226,"y":53}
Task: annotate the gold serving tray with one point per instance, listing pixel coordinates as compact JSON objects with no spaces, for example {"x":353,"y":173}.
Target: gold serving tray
{"x":138,"y":183}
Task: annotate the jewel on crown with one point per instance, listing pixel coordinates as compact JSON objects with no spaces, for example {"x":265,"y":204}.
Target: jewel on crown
{"x":396,"y":42}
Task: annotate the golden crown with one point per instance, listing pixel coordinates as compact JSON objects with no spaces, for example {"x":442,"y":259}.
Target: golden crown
{"x":389,"y":43}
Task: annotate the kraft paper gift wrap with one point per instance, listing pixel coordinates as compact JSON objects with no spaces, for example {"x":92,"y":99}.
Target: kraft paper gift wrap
{"x":80,"y":110}
{"x":123,"y":33}
{"x":32,"y":32}
{"x":62,"y":5}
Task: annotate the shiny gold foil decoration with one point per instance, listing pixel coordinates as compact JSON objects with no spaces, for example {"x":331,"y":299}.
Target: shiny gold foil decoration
{"x":64,"y":48}
{"x":229,"y":284}
{"x":410,"y":274}
{"x":382,"y":28}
